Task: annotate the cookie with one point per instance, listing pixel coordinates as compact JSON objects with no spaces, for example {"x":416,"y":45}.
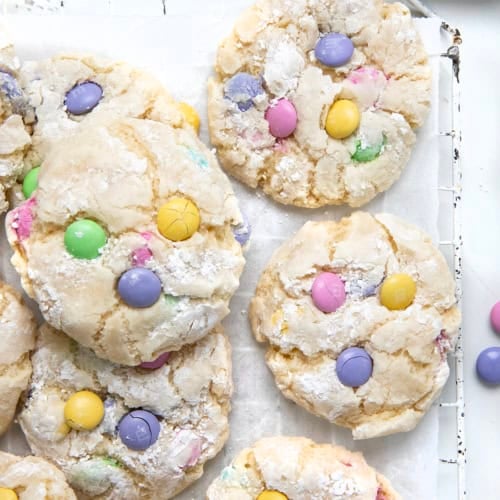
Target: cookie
{"x":16,"y":116}
{"x":127,"y":245}
{"x":27,"y":478}
{"x":317,"y":102}
{"x":70,"y":89}
{"x":359,"y":316}
{"x":17,"y":327}
{"x":119,"y":432}
{"x":282,"y":468}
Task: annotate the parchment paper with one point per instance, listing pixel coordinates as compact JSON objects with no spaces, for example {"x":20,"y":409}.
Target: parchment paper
{"x":179,"y":48}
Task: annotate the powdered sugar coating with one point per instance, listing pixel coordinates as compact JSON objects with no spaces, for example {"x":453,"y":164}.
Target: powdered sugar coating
{"x":15,"y":118}
{"x":119,"y":174}
{"x":17,"y":329}
{"x":388,"y":77}
{"x":301,"y":469}
{"x":32,"y":477}
{"x":190,"y":395}
{"x":407,"y":347}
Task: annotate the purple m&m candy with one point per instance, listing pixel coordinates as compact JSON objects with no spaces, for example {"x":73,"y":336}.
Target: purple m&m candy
{"x":157,"y":363}
{"x":495,"y":317}
{"x":328,"y":292}
{"x":334,"y":50}
{"x":354,"y":367}
{"x":488,"y":365}
{"x":243,"y":231}
{"x":139,"y":430}
{"x":83,"y":97}
{"x":242,"y":88}
{"x":139,"y":287}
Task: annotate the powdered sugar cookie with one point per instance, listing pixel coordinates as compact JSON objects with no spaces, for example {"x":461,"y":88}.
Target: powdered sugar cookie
{"x":316,"y":102}
{"x":27,"y":478}
{"x":127,"y":244}
{"x":17,"y":327}
{"x":359,"y":316}
{"x":134,"y":433}
{"x":15,"y":118}
{"x":282,"y":468}
{"x":69,"y":89}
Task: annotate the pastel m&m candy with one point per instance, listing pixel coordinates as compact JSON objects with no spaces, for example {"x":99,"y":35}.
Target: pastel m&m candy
{"x":343,"y":119}
{"x":242,"y":231}
{"x":354,"y":367}
{"x":84,"y":239}
{"x":83,"y":98}
{"x":178,"y":219}
{"x":334,"y":50}
{"x":139,"y":430}
{"x":190,"y":115}
{"x":272,"y":495}
{"x":328,"y":292}
{"x":84,"y":410}
{"x":8,"y":494}
{"x":139,"y":287}
{"x":398,"y":292}
{"x":364,"y":154}
{"x":495,"y":317}
{"x":157,"y":363}
{"x":282,"y":118}
{"x":30,"y":182}
{"x":242,"y":89}
{"x":488,"y":365}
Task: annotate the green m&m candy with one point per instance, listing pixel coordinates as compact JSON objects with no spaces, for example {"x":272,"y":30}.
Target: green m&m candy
{"x":368,"y":153}
{"x":84,"y":239}
{"x":30,"y":182}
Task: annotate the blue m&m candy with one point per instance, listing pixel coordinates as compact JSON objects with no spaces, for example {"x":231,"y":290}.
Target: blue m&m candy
{"x":83,"y":98}
{"x":334,"y":50}
{"x":354,"y":367}
{"x":139,"y":430}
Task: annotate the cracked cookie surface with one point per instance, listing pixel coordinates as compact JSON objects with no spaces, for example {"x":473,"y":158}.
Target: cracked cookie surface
{"x":301,"y":470}
{"x":388,"y":78}
{"x":119,"y":174}
{"x":126,"y":91}
{"x":190,"y":395}
{"x":17,"y":328}
{"x":408,"y":347}
{"x":32,"y":477}
{"x":16,"y":116}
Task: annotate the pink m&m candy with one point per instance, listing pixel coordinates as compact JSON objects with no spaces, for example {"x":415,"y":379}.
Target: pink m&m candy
{"x":328,"y":292}
{"x":282,"y":118}
{"x":495,"y":317}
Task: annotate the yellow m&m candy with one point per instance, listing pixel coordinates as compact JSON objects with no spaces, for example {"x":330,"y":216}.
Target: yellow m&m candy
{"x":190,"y":115}
{"x":342,"y":119}
{"x":272,"y":495}
{"x":398,"y":292}
{"x":178,"y":219}
{"x":8,"y":494}
{"x":84,"y":411}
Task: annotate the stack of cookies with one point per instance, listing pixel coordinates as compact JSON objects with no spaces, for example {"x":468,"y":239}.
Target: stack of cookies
{"x":128,"y":236}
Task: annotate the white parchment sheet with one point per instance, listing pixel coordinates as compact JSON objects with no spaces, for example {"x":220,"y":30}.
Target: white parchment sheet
{"x":179,"y":48}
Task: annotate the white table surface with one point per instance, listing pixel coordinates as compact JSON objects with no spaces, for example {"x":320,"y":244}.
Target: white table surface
{"x":479,"y":21}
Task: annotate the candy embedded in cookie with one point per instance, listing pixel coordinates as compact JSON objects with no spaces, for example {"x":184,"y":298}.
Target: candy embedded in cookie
{"x":84,"y":411}
{"x":315,"y":104}
{"x":85,"y":239}
{"x":359,"y":316}
{"x":282,"y":468}
{"x":139,"y":430}
{"x":83,"y":98}
{"x":139,"y":287}
{"x":30,"y":182}
{"x":178,"y":219}
{"x":334,"y":50}
{"x":135,"y":433}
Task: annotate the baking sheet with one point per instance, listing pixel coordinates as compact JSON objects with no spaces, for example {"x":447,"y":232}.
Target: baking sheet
{"x":179,"y":48}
